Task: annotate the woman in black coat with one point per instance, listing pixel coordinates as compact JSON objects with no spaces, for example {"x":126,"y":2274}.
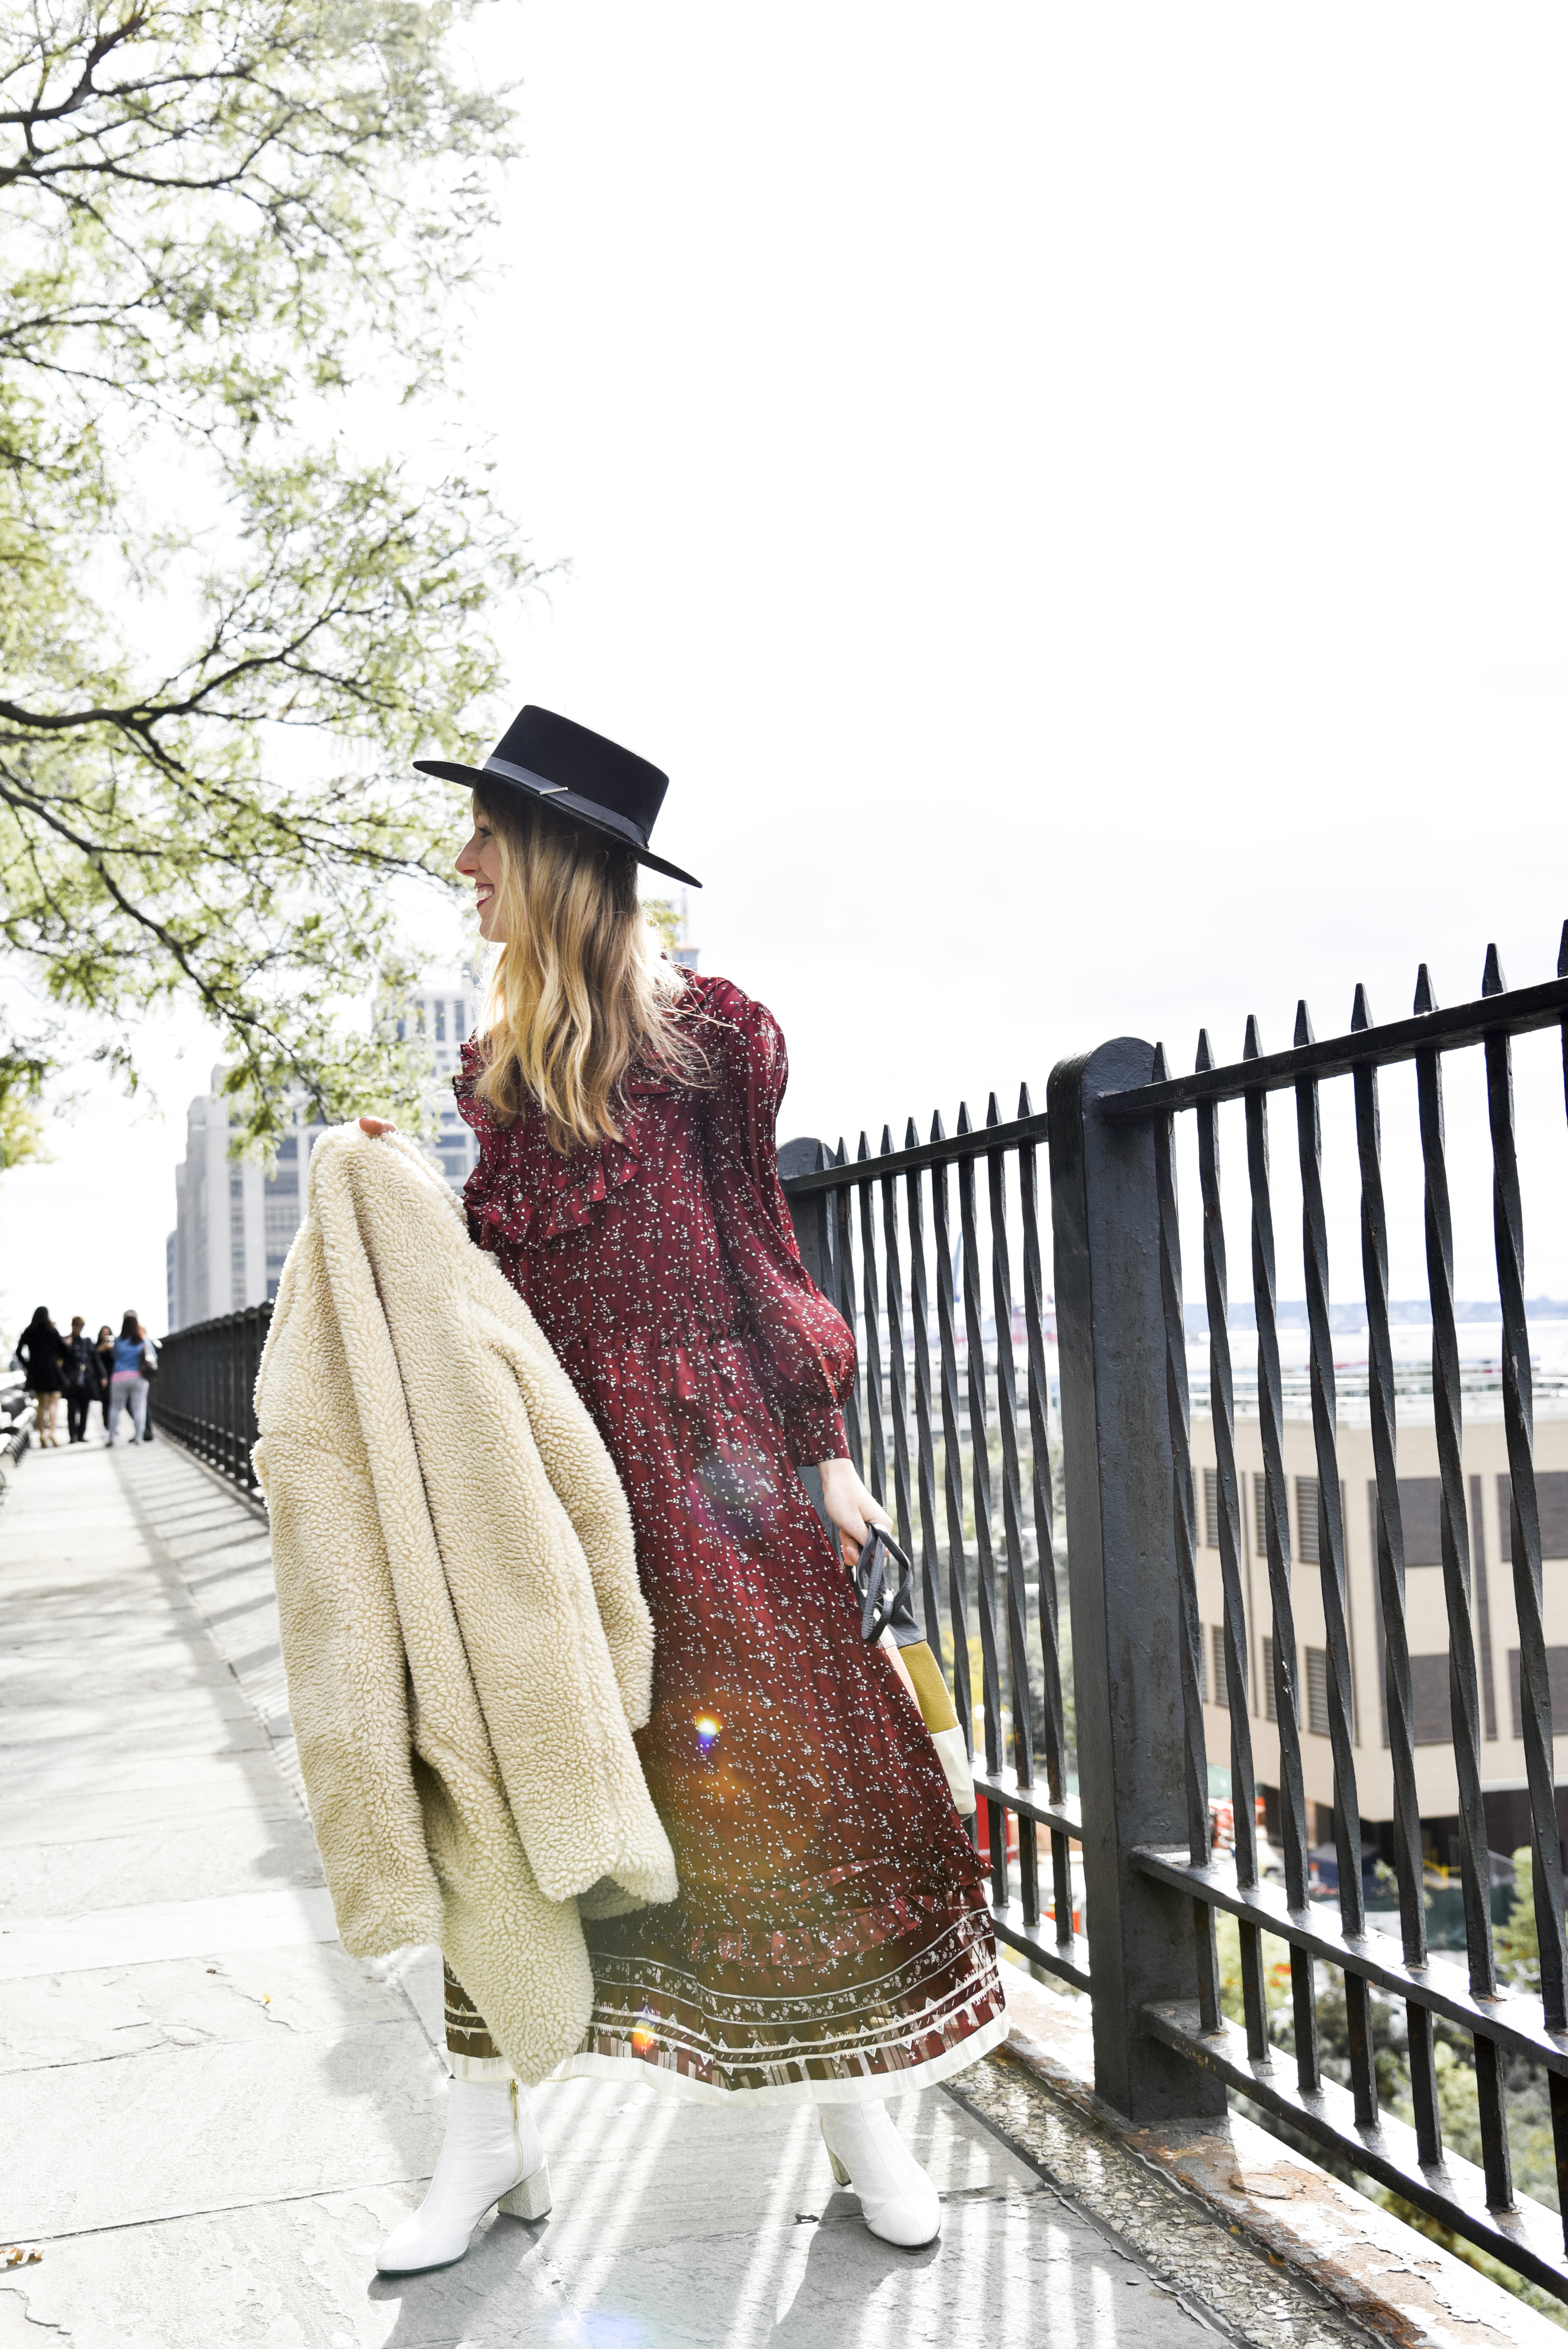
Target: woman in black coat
{"x":104,"y":1350}
{"x":41,"y":1350}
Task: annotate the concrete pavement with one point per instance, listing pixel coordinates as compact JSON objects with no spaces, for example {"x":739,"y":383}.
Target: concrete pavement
{"x":213,"y":2114}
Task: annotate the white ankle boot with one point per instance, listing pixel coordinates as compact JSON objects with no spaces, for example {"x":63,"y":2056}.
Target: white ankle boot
{"x":899,"y":2200}
{"x":491,"y":2154}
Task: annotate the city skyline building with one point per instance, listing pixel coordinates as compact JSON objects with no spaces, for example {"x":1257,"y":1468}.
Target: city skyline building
{"x":235,"y":1221}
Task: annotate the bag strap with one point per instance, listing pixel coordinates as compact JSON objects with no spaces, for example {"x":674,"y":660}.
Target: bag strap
{"x":884,"y":1603}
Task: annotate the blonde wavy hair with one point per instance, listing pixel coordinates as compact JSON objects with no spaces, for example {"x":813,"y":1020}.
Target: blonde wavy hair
{"x":580,"y":993}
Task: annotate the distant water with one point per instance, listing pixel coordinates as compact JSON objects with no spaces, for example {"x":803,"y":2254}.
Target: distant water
{"x":1478,"y":1330}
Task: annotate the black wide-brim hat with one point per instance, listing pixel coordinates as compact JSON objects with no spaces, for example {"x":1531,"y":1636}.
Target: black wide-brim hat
{"x":579,"y":776}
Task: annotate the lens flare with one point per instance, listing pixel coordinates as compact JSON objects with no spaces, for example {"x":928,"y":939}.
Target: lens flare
{"x":642,"y":2038}
{"x":707,"y":1729}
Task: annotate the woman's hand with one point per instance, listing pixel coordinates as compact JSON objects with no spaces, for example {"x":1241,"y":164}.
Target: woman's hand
{"x":374,"y":1125}
{"x":853,"y":1512}
{"x":851,"y":1508}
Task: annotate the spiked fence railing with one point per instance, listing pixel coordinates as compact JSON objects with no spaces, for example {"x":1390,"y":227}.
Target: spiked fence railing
{"x":944,"y":1431}
{"x":1153,"y":1895}
{"x":204,"y":1394}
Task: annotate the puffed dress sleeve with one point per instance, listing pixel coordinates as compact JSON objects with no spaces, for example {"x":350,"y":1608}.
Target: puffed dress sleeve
{"x":804,"y":1351}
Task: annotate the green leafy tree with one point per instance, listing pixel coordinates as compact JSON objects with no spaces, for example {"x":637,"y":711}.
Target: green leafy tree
{"x":233,"y":606}
{"x":664,"y":921}
{"x":21,"y":1124}
{"x":1518,"y":1941}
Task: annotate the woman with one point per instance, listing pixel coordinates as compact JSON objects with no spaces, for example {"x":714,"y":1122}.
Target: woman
{"x":829,"y":1943}
{"x":41,"y":1350}
{"x":104,"y":1350}
{"x":128,"y":1382}
{"x":149,"y":1373}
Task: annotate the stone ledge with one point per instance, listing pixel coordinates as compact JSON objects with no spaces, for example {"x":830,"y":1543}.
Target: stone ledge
{"x":1322,"y":2247}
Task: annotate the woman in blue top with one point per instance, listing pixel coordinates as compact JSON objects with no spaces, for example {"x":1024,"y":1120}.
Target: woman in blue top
{"x":127,"y":1383}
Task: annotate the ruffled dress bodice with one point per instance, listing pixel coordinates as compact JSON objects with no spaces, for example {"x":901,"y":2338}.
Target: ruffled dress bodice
{"x":667,"y":1245}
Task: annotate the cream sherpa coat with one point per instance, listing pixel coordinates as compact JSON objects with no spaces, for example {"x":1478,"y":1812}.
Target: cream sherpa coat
{"x":467,"y":1647}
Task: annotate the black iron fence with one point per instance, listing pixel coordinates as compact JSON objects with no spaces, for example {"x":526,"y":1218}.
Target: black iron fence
{"x":950,"y":1423}
{"x":204,"y":1391}
{"x":1154,"y":1885}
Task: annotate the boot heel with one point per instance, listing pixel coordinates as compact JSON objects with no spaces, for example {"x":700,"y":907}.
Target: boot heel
{"x":531,"y":2198}
{"x":840,"y":2175}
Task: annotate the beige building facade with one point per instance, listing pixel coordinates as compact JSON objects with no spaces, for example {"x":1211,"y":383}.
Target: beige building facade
{"x":1485,"y":1461}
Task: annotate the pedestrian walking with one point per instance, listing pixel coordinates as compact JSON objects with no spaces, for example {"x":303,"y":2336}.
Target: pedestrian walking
{"x":104,"y":1350}
{"x":83,"y":1374}
{"x":829,"y":1942}
{"x":149,"y":1373}
{"x":41,"y":1352}
{"x":127,"y":1381}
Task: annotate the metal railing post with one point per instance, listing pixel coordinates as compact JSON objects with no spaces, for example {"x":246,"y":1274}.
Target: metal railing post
{"x":1121,"y":1574}
{"x":812,"y":1219}
{"x":811,"y":1216}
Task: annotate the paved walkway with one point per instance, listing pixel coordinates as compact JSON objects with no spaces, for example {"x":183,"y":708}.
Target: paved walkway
{"x":212,"y":2114}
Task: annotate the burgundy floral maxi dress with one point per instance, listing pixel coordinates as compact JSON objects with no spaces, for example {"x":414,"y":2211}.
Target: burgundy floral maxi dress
{"x":829,"y":1940}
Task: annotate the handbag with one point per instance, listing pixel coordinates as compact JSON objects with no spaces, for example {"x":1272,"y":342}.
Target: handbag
{"x":887,"y":1610}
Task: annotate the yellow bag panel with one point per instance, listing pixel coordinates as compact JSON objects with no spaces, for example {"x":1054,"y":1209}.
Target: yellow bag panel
{"x":935,"y":1704}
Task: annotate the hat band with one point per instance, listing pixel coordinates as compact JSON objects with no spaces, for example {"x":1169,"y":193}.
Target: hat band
{"x":523,"y":775}
{"x":542,"y":788}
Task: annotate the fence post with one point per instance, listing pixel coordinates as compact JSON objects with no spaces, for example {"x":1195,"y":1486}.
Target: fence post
{"x":813,"y":1223}
{"x":1121,"y":1575}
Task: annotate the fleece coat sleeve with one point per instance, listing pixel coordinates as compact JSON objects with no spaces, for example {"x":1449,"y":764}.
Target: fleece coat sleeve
{"x":514,"y":1482}
{"x":342,"y":1639}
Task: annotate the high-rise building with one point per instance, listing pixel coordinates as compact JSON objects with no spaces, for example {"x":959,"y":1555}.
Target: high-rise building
{"x":684,"y":952}
{"x":234,"y":1222}
{"x":443,"y":1012}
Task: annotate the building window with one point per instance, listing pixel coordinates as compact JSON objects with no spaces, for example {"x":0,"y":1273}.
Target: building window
{"x":440,"y":1019}
{"x":1260,"y":1515}
{"x":280,"y":1212}
{"x":1556,"y":1683}
{"x":1222,"y":1683}
{"x":236,"y":1240}
{"x":1318,"y":1691}
{"x":1306,"y":1512}
{"x":1432,"y":1722}
{"x":1210,"y":1509}
{"x":1551,"y":1506}
{"x":1420,"y":1518}
{"x":288,"y":1148}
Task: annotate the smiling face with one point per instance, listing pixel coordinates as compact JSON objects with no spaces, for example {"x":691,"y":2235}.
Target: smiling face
{"x":479,"y":860}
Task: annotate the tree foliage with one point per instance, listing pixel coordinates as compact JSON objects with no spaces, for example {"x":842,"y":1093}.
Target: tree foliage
{"x":1519,"y":1940}
{"x":227,"y":620}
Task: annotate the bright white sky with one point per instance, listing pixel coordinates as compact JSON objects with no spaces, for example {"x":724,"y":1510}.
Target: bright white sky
{"x":1075,"y":499}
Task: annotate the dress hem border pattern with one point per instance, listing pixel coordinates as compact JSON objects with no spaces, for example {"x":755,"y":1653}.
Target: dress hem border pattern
{"x":869,"y":2088}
